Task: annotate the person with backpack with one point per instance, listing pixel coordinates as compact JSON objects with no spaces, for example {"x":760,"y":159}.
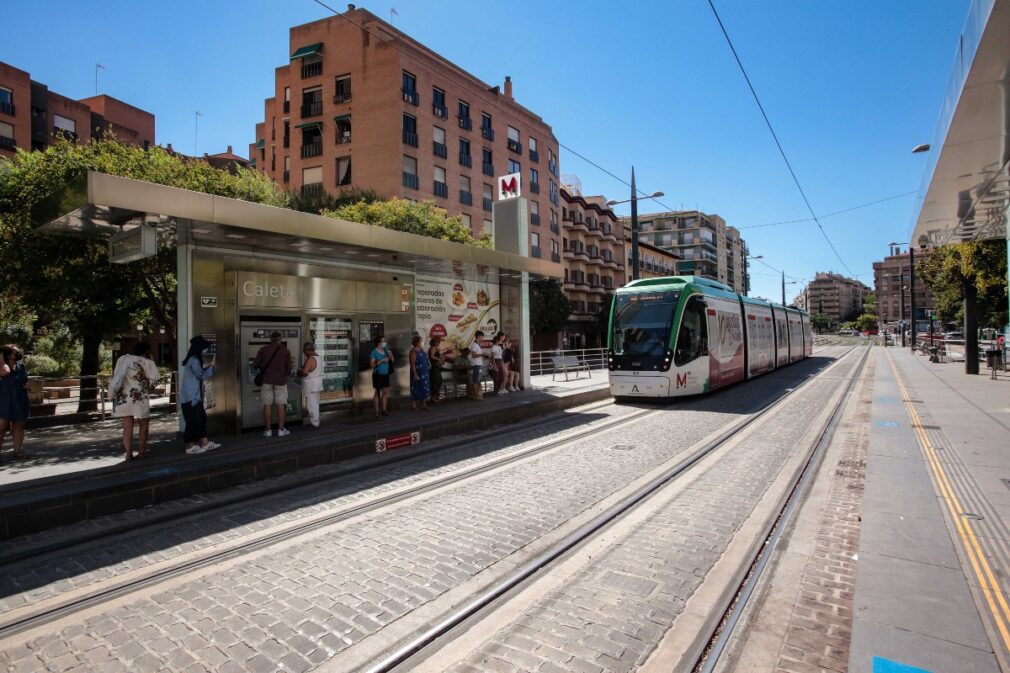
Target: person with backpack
{"x":274,"y":363}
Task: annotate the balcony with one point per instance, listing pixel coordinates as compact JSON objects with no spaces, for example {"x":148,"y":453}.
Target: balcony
{"x":7,"y":108}
{"x":465,"y":160}
{"x":441,"y":189}
{"x":286,"y":107}
{"x":465,"y":123}
{"x":313,"y":190}
{"x":287,"y":141}
{"x":64,"y":133}
{"x":569,"y":253}
{"x":312,"y":109}
{"x":466,"y":198}
{"x":410,"y":180}
{"x":439,"y":149}
{"x":487,"y":132}
{"x":410,"y":96}
{"x":287,"y":176}
{"x":440,"y":111}
{"x":535,"y":156}
{"x":6,"y":143}
{"x":515,"y":146}
{"x":410,"y":138}
{"x":342,"y":98}
{"x":555,"y":257}
{"x":344,"y":138}
{"x":535,"y":219}
{"x":552,"y":166}
{"x":488,"y":169}
{"x":312,"y":69}
{"x":535,"y":251}
{"x":535,"y":187}
{"x":312,"y":149}
{"x":555,"y":228}
{"x":486,"y":204}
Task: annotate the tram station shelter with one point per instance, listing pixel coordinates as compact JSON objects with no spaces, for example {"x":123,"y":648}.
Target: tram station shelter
{"x":247,"y":270}
{"x":965,"y":192}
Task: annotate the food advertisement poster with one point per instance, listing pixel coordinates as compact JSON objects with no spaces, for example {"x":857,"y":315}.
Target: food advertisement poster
{"x":455,"y":309}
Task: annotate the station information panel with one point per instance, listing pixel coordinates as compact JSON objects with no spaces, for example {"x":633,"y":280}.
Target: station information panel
{"x":332,"y":337}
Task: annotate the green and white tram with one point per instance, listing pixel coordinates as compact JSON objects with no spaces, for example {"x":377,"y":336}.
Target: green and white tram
{"x":686,"y":335}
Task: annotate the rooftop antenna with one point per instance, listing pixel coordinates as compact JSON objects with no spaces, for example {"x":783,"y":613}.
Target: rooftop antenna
{"x":392,"y":13}
{"x":98,"y":66}
{"x":196,"y":130}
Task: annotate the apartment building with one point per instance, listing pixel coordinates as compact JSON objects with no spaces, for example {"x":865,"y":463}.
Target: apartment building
{"x":891,"y":280}
{"x":703,"y":244}
{"x":363,"y":105}
{"x":31,"y":115}
{"x":836,"y":296}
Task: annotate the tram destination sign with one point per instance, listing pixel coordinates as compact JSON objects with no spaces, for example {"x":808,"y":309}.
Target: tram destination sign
{"x":133,"y":244}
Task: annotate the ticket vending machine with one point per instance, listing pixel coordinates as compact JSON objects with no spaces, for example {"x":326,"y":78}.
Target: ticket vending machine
{"x":255,"y":334}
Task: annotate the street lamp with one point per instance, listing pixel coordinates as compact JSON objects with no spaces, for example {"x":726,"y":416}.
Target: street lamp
{"x":918,"y":149}
{"x":901,"y":298}
{"x":634,"y":220}
{"x":911,"y":281}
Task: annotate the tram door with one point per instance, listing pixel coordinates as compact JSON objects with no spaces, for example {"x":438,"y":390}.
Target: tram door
{"x":254,"y":335}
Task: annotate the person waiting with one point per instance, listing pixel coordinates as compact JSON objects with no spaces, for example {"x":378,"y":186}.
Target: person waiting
{"x":274,"y":363}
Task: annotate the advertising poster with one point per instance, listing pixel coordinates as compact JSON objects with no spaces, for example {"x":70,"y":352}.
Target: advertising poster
{"x":455,"y":309}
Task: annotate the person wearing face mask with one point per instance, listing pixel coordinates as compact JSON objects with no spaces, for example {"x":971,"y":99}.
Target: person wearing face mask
{"x":14,"y":406}
{"x":382,"y":362}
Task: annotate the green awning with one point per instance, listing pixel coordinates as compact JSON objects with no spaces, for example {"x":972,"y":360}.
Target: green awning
{"x":308,"y":51}
{"x":309,"y":125}
{"x":261,"y":143}
{"x":342,"y":118}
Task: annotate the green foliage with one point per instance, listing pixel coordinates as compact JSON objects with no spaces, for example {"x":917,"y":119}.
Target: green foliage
{"x":870,"y":303}
{"x":865,"y":322}
{"x":43,"y":365}
{"x":549,"y":307}
{"x":59,"y":344}
{"x":15,"y":321}
{"x":949,"y":268}
{"x":423,"y":218}
{"x":317,"y":204}
{"x":819,"y":322}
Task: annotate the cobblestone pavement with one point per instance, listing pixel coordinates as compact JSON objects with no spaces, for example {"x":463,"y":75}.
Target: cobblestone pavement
{"x":611,"y":614}
{"x":299,"y":604}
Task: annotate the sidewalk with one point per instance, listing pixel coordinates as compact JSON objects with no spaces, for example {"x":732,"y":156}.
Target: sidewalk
{"x":933,"y":564}
{"x":77,"y":472}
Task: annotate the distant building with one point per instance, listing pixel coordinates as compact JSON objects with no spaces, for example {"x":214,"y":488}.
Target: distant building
{"x":890,"y":276}
{"x":31,"y":116}
{"x":703,"y":244}
{"x":375,"y":109}
{"x":834,"y":295}
{"x":226,"y":160}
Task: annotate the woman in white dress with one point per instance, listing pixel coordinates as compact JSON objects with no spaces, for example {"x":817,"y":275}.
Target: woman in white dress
{"x":311,"y":374}
{"x":130,"y":390}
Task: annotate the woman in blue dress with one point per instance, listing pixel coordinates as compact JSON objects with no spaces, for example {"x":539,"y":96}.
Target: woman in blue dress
{"x":13,"y":397}
{"x":420,"y":385}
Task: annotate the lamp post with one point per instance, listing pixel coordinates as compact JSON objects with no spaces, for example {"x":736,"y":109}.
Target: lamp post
{"x":784,"y":283}
{"x":911,"y":284}
{"x":634,"y":220}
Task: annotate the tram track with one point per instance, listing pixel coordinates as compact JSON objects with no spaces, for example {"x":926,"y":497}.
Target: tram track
{"x":19,"y":621}
{"x":416,"y":650}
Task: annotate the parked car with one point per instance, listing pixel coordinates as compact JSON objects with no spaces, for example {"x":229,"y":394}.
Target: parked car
{"x":954,"y":336}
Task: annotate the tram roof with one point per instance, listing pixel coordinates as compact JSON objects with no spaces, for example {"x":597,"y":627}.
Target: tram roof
{"x":706,"y":285}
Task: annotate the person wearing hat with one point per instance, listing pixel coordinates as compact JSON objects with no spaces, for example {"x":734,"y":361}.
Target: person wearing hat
{"x":311,"y":374}
{"x":191,"y":396}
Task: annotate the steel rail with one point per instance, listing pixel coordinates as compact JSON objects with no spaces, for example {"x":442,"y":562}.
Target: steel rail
{"x":535,"y":566}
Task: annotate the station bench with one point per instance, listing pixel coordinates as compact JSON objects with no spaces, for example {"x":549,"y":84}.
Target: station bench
{"x":567,"y":363}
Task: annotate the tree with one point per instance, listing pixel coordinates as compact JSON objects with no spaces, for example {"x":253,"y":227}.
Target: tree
{"x":423,"y":218}
{"x":549,"y":307}
{"x":866,"y":322}
{"x":318,"y":203}
{"x":949,"y":269}
{"x":870,"y":303}
{"x":70,"y":279}
{"x":820,"y":322}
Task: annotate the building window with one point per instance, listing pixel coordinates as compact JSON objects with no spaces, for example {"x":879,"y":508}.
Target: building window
{"x":534,"y":244}
{"x":485,"y":126}
{"x":488,"y":226}
{"x":410,"y":172}
{"x":465,"y":195}
{"x":534,"y":213}
{"x":312,"y":66}
{"x":534,"y":155}
{"x":287,"y":169}
{"x":466,"y":220}
{"x":410,"y":130}
{"x":513,"y":142}
{"x":514,"y":166}
{"x":464,"y":153}
{"x":6,"y":136}
{"x":312,"y":102}
{"x":287,"y":133}
{"x":487,"y":198}
{"x":534,"y":181}
{"x":343,"y":129}
{"x":438,"y":103}
{"x":441,"y":188}
{"x":65,"y":126}
{"x":552,"y":162}
{"x":487,"y":161}
{"x":342,"y":89}
{"x":343,"y":171}
{"x":464,"y":116}
{"x":438,"y":142}
{"x":6,"y":101}
{"x":409,"y":88}
{"x":555,"y":253}
{"x":287,"y":99}
{"x":312,"y":141}
{"x":312,"y":176}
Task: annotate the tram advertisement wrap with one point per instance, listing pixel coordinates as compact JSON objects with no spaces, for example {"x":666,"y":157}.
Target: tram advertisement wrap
{"x":455,"y":309}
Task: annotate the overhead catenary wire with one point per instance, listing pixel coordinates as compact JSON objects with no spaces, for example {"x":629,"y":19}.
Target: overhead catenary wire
{"x":831,"y":214}
{"x":775,"y":137}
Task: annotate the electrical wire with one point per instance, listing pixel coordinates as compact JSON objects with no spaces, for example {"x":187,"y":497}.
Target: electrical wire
{"x":775,"y":137}
{"x":832,"y":214}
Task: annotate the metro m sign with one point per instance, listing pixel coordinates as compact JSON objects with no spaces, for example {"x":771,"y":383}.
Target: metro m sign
{"x":509,"y":186}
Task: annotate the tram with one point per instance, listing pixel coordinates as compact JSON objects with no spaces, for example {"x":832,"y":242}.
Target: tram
{"x":687,"y":335}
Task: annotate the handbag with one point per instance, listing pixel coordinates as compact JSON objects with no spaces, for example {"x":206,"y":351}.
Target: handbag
{"x":258,"y":379}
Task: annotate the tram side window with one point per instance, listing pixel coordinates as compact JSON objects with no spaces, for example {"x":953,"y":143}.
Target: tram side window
{"x":692,"y":340}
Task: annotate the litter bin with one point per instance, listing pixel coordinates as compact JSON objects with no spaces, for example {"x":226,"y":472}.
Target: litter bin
{"x":994,"y":358}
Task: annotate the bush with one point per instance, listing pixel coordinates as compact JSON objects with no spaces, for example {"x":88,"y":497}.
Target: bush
{"x":42,"y":365}
{"x":60,"y":345}
{"x":423,"y":218}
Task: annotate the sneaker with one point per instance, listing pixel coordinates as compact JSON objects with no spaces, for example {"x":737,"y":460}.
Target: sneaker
{"x":196,"y":448}
{"x":211,"y":446}
{"x":283,"y":432}
{"x":268,"y":433}
{"x":501,"y":392}
{"x":505,"y":390}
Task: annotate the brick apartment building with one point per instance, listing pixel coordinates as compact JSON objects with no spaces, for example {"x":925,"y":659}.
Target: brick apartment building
{"x":593,"y":251}
{"x":363,"y":105}
{"x":703,"y":244}
{"x":836,"y":296}
{"x":31,"y":114}
{"x":653,"y":262}
{"x":892,"y":274}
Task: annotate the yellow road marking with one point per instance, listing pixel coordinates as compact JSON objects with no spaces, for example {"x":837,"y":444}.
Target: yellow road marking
{"x":987,"y":581}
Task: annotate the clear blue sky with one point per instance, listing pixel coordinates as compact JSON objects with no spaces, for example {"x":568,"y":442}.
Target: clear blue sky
{"x":851,"y":87}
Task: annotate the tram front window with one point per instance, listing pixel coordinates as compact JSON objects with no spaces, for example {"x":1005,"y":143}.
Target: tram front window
{"x":642,"y":323}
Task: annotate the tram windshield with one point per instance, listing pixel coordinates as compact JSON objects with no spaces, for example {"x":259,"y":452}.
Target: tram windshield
{"x":642,"y":323}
